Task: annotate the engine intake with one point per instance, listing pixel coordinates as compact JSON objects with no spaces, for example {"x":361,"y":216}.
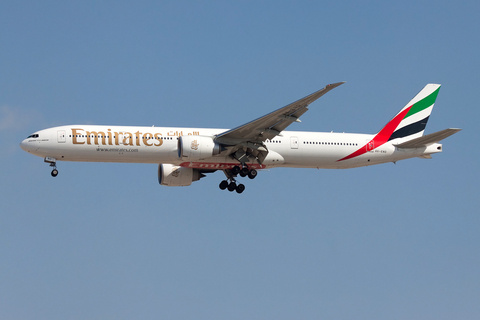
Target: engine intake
{"x":192,"y":148}
{"x":174,"y":176}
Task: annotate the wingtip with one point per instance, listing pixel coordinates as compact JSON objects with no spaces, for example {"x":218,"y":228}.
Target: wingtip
{"x":336,"y":84}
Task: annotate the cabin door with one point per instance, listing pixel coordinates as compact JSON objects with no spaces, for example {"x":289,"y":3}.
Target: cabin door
{"x":294,"y":142}
{"x":370,"y":145}
{"x":61,"y":136}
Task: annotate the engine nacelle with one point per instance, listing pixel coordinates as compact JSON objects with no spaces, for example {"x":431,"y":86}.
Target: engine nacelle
{"x":192,"y":148}
{"x":174,"y":176}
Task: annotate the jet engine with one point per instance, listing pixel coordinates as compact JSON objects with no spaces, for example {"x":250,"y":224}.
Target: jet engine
{"x":192,"y":148}
{"x":175,"y":176}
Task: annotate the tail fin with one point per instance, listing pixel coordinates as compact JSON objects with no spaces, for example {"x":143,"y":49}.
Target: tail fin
{"x":408,"y":124}
{"x":411,"y":121}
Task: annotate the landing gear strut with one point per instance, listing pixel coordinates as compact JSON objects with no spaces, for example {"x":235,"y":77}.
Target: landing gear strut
{"x":53,"y":164}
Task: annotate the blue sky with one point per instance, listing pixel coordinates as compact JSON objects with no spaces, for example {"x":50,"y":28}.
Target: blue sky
{"x":105,"y":241}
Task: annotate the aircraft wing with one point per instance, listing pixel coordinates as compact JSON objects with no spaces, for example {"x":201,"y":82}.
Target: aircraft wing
{"x":270,"y":125}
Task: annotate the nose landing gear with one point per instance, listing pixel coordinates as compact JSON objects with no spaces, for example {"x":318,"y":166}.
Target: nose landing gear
{"x":53,"y":164}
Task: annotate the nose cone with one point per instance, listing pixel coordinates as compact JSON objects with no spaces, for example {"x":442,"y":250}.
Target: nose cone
{"x":29,"y":146}
{"x":24,"y":145}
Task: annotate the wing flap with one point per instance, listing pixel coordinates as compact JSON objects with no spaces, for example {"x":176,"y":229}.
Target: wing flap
{"x":427,"y":140}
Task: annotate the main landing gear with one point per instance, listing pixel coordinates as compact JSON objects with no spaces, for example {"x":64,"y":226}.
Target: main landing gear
{"x":53,"y":164}
{"x":231,"y":183}
{"x":232,"y":186}
{"x":243,"y":172}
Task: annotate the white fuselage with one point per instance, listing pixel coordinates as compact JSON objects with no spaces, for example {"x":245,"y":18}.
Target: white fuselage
{"x":159,"y":145}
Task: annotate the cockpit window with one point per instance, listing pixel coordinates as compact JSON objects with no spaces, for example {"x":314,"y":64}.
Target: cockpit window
{"x":33,"y":136}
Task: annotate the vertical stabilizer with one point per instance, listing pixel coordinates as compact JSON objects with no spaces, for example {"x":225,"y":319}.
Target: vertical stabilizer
{"x":414,"y":116}
{"x":408,"y":124}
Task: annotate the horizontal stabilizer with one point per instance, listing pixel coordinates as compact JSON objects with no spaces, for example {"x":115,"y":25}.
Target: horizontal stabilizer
{"x":427,"y":140}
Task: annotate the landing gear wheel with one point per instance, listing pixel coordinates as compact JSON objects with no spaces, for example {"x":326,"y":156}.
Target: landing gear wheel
{"x":223,"y":185}
{"x":236,"y":170}
{"x":252,"y":174}
{"x":244,"y":172}
{"x":232,"y":186}
{"x":240,"y":188}
{"x":54,"y":172}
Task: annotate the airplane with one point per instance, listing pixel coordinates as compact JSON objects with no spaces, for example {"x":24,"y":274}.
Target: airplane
{"x":185,"y":155}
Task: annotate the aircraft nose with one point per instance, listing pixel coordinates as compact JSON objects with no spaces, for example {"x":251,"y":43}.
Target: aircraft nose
{"x":26,"y":146}
{"x":23,"y":145}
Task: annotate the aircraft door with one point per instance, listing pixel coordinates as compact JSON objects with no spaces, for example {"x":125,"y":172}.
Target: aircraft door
{"x":370,"y":145}
{"x":294,"y":142}
{"x":61,"y":136}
